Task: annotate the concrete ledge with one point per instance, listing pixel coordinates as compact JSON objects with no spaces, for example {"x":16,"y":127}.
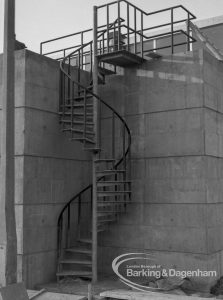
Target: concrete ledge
{"x":131,"y":295}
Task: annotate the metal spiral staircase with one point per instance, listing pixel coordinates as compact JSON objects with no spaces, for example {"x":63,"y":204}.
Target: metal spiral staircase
{"x":81,"y":113}
{"x":87,"y":118}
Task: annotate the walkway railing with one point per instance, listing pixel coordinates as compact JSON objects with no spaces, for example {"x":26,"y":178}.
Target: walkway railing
{"x":136,"y":31}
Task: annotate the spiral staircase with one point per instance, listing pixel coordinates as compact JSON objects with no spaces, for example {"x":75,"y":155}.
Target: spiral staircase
{"x":90,"y":120}
{"x":81,"y":117}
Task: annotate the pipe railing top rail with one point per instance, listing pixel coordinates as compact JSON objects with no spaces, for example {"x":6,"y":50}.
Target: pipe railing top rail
{"x":145,"y":13}
{"x":102,"y":28}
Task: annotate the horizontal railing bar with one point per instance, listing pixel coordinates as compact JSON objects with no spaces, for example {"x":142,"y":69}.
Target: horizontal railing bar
{"x":166,"y":24}
{"x":165,"y":34}
{"x":151,"y":13}
{"x":169,"y":9}
{"x":73,"y":34}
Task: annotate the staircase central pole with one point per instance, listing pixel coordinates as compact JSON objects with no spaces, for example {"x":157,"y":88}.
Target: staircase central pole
{"x":95,"y":153}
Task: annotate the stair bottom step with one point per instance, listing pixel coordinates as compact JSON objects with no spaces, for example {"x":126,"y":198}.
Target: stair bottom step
{"x":74,"y":273}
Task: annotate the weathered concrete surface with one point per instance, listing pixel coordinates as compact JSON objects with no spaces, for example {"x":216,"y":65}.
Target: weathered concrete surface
{"x":132,"y":295}
{"x":55,"y":296}
{"x":173,"y":107}
{"x":49,"y":168}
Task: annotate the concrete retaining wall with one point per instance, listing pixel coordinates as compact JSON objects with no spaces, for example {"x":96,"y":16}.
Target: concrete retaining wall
{"x":50,"y":169}
{"x":173,"y":107}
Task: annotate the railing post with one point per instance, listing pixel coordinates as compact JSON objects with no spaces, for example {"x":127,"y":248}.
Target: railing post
{"x":135,"y":29}
{"x":82,"y":52}
{"x":172,"y":40}
{"x":188,"y":32}
{"x":141,"y":37}
{"x":108,"y":28}
{"x":96,"y":129}
{"x":119,"y":28}
{"x":41,"y":48}
{"x":128,"y":27}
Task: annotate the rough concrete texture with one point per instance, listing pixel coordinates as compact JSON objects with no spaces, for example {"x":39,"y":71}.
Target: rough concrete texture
{"x":133,"y":295}
{"x":173,"y":107}
{"x":49,"y":168}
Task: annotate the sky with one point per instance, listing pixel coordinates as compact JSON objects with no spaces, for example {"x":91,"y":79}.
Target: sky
{"x":39,"y":20}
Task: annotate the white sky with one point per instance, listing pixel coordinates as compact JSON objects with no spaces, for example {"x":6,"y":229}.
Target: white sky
{"x":39,"y":20}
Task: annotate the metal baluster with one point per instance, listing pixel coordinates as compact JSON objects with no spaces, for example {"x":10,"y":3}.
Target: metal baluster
{"x":68,"y":87}
{"x":82,"y":53}
{"x":91,"y":59}
{"x":130,"y":167}
{"x":85,"y":118}
{"x":72,"y":110}
{"x":172,"y":38}
{"x":103,"y":43}
{"x":113,"y":136}
{"x":141,"y":37}
{"x":79,"y":217}
{"x":188,"y":32}
{"x":135,"y":28}
{"x":124,"y":159}
{"x":68,"y":227}
{"x":99,"y":126}
{"x":108,"y":28}
{"x":128,"y":46}
{"x":119,"y":26}
{"x":78,"y":72}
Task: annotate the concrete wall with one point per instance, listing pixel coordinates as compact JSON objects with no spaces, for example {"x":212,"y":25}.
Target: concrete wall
{"x":50,"y":169}
{"x":174,"y":108}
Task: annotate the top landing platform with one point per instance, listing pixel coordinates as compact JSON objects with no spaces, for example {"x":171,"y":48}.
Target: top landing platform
{"x":121,"y":58}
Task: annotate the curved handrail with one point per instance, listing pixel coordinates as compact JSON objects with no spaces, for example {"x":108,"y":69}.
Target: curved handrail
{"x":115,"y":114}
{"x":106,"y":104}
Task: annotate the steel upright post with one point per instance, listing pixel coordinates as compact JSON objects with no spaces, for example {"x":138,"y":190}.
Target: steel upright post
{"x":8,"y":241}
{"x":95,"y":153}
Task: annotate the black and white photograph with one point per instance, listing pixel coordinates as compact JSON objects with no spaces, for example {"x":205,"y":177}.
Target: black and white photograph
{"x":111,"y":149}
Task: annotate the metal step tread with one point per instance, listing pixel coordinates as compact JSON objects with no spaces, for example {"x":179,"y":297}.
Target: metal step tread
{"x":83,"y":139}
{"x":87,"y":241}
{"x":105,"y":160}
{"x":77,"y":122}
{"x":75,"y":273}
{"x":81,"y":131}
{"x":108,"y":183}
{"x":75,"y":261}
{"x":110,"y":171}
{"x":108,"y":202}
{"x":104,"y":193}
{"x":68,"y":113}
{"x":82,"y":105}
{"x":79,"y":250}
{"x":78,"y":97}
{"x":110,"y":211}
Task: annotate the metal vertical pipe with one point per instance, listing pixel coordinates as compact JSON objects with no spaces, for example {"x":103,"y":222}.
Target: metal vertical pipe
{"x":135,"y":28}
{"x":113,"y":136}
{"x":94,"y":178}
{"x":91,"y":59}
{"x":172,"y":39}
{"x":127,"y":26}
{"x":82,"y":53}
{"x":95,"y":78}
{"x":72,"y":109}
{"x":141,"y":37}
{"x":8,"y":241}
{"x":85,"y":114}
{"x":188,"y":32}
{"x":124,"y":158}
{"x":107,"y":28}
{"x":119,"y":26}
